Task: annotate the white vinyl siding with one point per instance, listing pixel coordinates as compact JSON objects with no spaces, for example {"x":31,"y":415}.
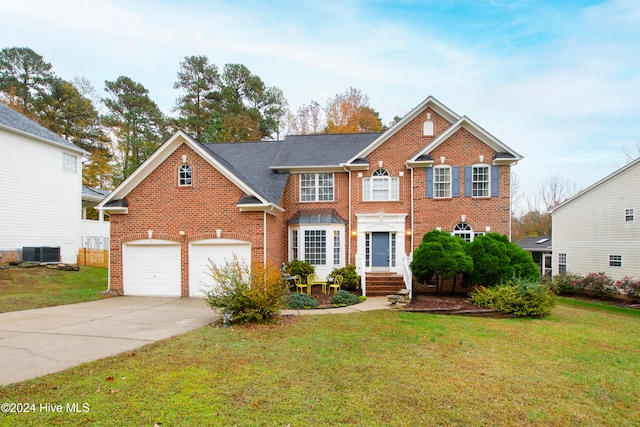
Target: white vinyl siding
{"x":591,"y":227}
{"x":25,"y":219}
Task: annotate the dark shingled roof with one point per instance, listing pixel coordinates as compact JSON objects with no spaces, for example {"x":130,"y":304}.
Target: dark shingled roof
{"x":250,"y":161}
{"x":12,"y":119}
{"x":321,"y":150}
{"x":535,"y":244}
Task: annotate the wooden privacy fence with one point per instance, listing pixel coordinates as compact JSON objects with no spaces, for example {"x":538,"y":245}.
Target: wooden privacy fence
{"x":94,"y":257}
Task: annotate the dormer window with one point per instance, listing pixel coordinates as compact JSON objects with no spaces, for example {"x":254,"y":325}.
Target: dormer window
{"x":184,"y":175}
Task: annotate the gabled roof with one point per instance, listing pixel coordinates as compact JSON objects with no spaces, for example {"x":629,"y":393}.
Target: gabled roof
{"x":430,"y":102}
{"x":620,"y":171}
{"x":325,"y":151}
{"x":16,"y":122}
{"x":248,"y":158}
{"x":504,"y":154}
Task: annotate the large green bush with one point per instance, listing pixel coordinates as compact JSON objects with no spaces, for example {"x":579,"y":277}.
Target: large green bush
{"x":520,"y":297}
{"x":497,"y":260}
{"x":440,"y":256}
{"x":246,"y":294}
{"x":351,"y":281}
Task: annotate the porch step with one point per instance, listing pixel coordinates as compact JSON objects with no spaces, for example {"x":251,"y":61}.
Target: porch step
{"x":383,"y":284}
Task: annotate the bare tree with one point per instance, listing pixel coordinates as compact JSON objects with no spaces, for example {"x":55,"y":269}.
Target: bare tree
{"x":554,"y":191}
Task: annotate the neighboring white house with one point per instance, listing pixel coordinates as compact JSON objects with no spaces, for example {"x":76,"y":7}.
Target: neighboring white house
{"x":40,"y":190}
{"x":95,"y":233}
{"x":598,"y":230}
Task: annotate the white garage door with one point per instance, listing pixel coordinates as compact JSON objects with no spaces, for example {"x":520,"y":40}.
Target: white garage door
{"x":151,"y":268}
{"x":219,"y":251}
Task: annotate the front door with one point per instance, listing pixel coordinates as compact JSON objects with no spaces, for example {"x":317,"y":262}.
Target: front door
{"x":380,"y":250}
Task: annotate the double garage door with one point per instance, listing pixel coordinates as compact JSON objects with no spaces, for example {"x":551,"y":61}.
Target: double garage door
{"x":152,"y":267}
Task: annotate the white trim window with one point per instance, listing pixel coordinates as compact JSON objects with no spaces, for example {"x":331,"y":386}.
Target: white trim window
{"x":315,"y":246}
{"x":480,"y":181}
{"x":442,"y":182}
{"x":69,"y":163}
{"x":380,"y":187}
{"x":185,"y":176}
{"x":615,"y":260}
{"x":562,"y":263}
{"x":316,"y":187}
{"x":629,"y":215}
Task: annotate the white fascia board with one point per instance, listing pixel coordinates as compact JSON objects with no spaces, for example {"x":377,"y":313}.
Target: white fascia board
{"x":160,"y":155}
{"x":113,"y":210}
{"x":430,"y":102}
{"x":74,"y":149}
{"x":419,"y":164}
{"x":597,"y":184}
{"x":255,"y":207}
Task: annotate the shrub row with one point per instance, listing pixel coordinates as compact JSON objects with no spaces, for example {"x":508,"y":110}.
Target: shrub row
{"x":521,"y":297}
{"x":596,"y":285}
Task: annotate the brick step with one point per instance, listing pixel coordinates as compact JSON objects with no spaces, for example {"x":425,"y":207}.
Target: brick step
{"x":383,"y":284}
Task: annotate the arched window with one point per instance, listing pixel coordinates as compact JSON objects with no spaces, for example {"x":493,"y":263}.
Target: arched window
{"x":381,"y":186}
{"x":464,"y":231}
{"x":184,"y":175}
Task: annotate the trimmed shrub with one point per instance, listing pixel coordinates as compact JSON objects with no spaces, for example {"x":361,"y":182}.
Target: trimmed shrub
{"x":630,"y":287}
{"x":351,"y":281}
{"x":566,"y":283}
{"x":597,"y":285}
{"x":496,"y":260}
{"x":343,"y":298}
{"x":302,"y":268}
{"x":299,"y":301}
{"x":520,"y":297}
{"x":246,"y":295}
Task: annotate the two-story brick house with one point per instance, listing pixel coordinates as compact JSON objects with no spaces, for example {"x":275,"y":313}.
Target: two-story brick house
{"x":332,"y":200}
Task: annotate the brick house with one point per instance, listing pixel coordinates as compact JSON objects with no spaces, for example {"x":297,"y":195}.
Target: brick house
{"x":332,"y":200}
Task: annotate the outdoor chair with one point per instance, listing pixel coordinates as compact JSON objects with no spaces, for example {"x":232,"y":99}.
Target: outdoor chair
{"x":298,"y":281}
{"x":337,"y":282}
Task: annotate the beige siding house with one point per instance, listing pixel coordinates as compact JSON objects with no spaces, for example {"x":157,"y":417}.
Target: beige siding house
{"x":598,"y":230}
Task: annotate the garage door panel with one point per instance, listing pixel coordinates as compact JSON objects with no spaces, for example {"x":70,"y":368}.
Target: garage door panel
{"x":200,"y":254}
{"x":151,"y":269}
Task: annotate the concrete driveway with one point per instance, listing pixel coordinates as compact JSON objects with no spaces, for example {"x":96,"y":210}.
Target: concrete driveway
{"x":46,"y":340}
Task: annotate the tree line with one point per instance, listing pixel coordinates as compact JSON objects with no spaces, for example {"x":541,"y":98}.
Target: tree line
{"x":228,"y":104}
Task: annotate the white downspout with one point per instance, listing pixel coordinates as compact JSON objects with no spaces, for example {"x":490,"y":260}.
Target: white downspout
{"x":264,"y":239}
{"x":349,"y":230}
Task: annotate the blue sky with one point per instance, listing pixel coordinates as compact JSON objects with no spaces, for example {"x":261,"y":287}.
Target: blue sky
{"x":557,"y":80}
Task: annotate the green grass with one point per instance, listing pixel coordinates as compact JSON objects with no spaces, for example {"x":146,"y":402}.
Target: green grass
{"x":579,"y":366}
{"x":26,"y":288}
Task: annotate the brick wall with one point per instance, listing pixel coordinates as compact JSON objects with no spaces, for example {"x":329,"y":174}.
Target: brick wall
{"x":158,"y":204}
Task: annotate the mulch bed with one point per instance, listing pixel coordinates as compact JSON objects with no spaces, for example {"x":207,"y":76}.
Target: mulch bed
{"x":448,"y":304}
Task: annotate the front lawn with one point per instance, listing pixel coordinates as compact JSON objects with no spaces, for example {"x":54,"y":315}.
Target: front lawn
{"x":579,"y":366}
{"x":26,"y":288}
